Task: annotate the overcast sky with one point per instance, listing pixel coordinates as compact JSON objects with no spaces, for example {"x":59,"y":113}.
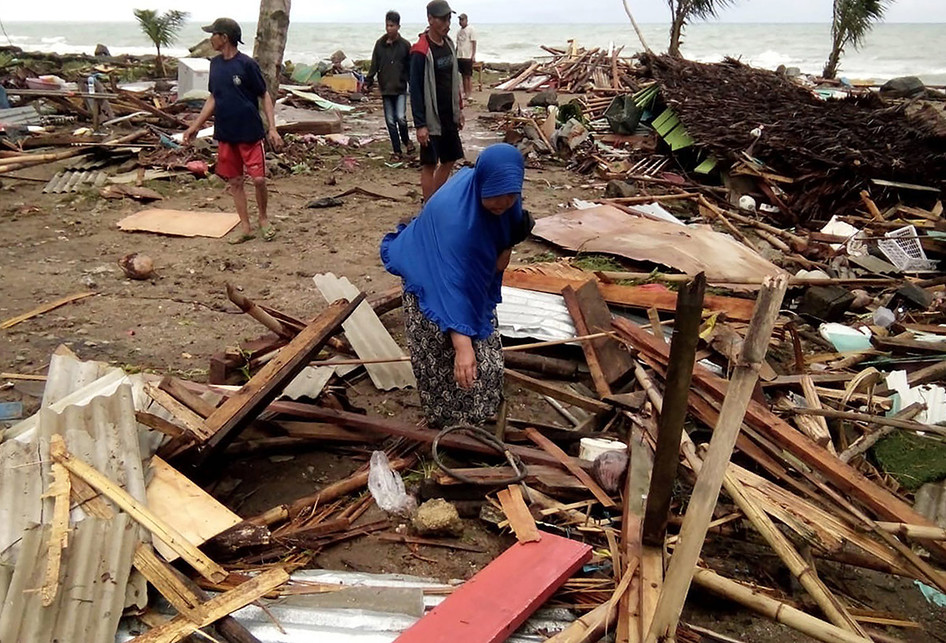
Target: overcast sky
{"x":498,"y":11}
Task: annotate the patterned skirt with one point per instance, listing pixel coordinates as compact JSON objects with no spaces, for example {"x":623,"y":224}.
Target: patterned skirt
{"x":432,"y":356}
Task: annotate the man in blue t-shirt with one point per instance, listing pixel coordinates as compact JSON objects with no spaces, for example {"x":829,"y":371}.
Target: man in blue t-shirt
{"x":236,"y":88}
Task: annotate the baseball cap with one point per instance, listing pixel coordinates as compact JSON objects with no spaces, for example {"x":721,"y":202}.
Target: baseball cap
{"x":439,"y":8}
{"x":227,"y":26}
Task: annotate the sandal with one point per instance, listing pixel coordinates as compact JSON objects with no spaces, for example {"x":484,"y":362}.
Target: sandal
{"x":268,"y":232}
{"x":237,"y":239}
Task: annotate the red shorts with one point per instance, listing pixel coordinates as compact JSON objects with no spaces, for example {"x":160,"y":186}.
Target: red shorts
{"x":233,"y":158}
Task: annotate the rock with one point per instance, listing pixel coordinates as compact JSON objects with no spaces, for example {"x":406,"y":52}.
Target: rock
{"x":617,"y":189}
{"x":101,"y":50}
{"x":137,"y":266}
{"x":903,"y":87}
{"x":544,"y":99}
{"x":324,"y":202}
{"x":608,"y":470}
{"x":203,"y":49}
{"x":501,"y":101}
{"x":338,"y":57}
{"x":437,"y":517}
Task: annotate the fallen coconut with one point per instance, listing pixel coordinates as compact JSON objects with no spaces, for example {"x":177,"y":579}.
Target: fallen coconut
{"x":137,"y":266}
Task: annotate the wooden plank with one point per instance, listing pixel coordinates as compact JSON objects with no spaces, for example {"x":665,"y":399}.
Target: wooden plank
{"x":638,"y":297}
{"x":59,"y":490}
{"x":497,"y":600}
{"x":240,"y":409}
{"x":591,"y":354}
{"x":183,"y":505}
{"x":558,"y":392}
{"x":162,"y":577}
{"x":553,"y":449}
{"x":195,"y":425}
{"x":194,"y":557}
{"x":615,"y":361}
{"x":174,"y":387}
{"x":706,"y":491}
{"x":517,"y":513}
{"x":216,"y":608}
{"x":45,"y":308}
{"x":640,"y":464}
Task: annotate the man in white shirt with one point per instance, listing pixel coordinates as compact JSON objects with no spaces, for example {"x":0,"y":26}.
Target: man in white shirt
{"x":466,"y":54}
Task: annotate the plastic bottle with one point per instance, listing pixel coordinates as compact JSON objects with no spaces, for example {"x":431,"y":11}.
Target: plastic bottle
{"x":91,"y":85}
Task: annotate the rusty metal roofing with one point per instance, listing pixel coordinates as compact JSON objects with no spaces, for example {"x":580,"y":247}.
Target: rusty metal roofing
{"x":368,"y":336}
{"x":88,"y":605}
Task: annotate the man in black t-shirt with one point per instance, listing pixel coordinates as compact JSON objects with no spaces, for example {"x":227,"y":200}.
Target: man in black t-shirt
{"x":236,"y":87}
{"x":436,"y":102}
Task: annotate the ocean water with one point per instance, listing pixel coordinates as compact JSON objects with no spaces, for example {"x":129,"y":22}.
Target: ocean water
{"x":890,"y":50}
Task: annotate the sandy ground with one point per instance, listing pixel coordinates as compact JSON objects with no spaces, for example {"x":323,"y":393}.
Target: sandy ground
{"x":55,"y":245}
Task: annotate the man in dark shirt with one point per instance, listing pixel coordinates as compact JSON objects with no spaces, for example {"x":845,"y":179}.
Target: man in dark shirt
{"x":236,"y":88}
{"x":435,"y":99}
{"x":390,"y":62}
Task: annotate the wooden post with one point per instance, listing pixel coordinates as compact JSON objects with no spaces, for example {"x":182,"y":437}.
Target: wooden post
{"x":683,"y":347}
{"x":706,"y":492}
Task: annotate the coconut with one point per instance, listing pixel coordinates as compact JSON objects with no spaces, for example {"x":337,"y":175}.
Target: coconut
{"x":137,"y":266}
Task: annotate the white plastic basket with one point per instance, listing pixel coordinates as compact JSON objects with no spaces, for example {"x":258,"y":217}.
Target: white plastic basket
{"x":902,"y":247}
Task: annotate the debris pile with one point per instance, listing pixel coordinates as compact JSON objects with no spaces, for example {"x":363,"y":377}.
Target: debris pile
{"x":575,"y":70}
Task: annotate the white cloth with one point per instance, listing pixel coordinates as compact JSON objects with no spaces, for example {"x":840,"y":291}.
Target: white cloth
{"x":465,"y":39}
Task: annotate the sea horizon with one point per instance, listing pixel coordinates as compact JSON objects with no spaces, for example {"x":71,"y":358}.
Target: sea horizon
{"x":890,"y":49}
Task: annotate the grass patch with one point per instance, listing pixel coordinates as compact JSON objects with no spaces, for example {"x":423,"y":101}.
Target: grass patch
{"x":542,"y":257}
{"x":596,"y":262}
{"x":912,"y":459}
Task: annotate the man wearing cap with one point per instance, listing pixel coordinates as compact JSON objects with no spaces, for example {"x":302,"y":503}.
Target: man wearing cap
{"x":236,"y":87}
{"x":466,"y":54}
{"x":436,"y":102}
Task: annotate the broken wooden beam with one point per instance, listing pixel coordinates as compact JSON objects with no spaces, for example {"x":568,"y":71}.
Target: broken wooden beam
{"x":238,"y":411}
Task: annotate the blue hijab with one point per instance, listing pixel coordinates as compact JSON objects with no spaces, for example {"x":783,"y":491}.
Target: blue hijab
{"x":447,"y":255}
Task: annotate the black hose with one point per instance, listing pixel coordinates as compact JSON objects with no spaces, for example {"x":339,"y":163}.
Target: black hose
{"x":486,"y":438}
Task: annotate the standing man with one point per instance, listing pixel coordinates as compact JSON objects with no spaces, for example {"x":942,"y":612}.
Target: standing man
{"x":390,"y":60}
{"x":466,"y":55}
{"x":236,"y":88}
{"x":435,"y":99}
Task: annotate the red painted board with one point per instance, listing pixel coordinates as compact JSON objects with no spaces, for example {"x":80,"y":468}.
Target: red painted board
{"x":492,"y":605}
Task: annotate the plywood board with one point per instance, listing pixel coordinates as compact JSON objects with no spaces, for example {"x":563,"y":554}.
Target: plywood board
{"x":689,"y":249}
{"x":181,"y":223}
{"x":185,"y":506}
{"x":489,"y":607}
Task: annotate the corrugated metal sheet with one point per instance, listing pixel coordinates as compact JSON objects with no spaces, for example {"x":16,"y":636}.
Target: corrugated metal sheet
{"x":95,"y":570}
{"x":368,"y":336}
{"x":21,"y":485}
{"x":302,"y":621}
{"x":526,"y":313}
{"x":95,"y":413}
{"x":26,"y":115}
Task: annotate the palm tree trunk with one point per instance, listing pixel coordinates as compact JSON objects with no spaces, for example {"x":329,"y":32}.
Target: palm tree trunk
{"x":272,"y":29}
{"x":640,"y":35}
{"x":159,"y":62}
{"x":676,"y":32}
{"x":837,"y":48}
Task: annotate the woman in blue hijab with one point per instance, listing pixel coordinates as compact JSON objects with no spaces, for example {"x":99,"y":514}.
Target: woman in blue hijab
{"x":451,"y":258}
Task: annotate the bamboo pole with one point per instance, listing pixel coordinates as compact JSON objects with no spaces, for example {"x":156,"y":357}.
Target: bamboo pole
{"x":745,"y":281}
{"x":776,"y":610}
{"x":592,"y":626}
{"x":881,"y":420}
{"x":249,"y":307}
{"x":913,"y":531}
{"x":706,"y":492}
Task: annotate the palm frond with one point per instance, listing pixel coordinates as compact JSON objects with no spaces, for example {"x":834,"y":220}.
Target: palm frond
{"x":853,"y":19}
{"x":707,"y":8}
{"x":161,"y":29}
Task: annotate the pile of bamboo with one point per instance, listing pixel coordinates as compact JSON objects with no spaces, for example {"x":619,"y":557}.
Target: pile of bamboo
{"x":576,"y":70}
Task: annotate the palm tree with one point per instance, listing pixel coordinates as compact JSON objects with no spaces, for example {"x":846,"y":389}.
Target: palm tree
{"x":682,"y":11}
{"x":161,"y":28}
{"x":849,"y":26}
{"x":637,"y":28}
